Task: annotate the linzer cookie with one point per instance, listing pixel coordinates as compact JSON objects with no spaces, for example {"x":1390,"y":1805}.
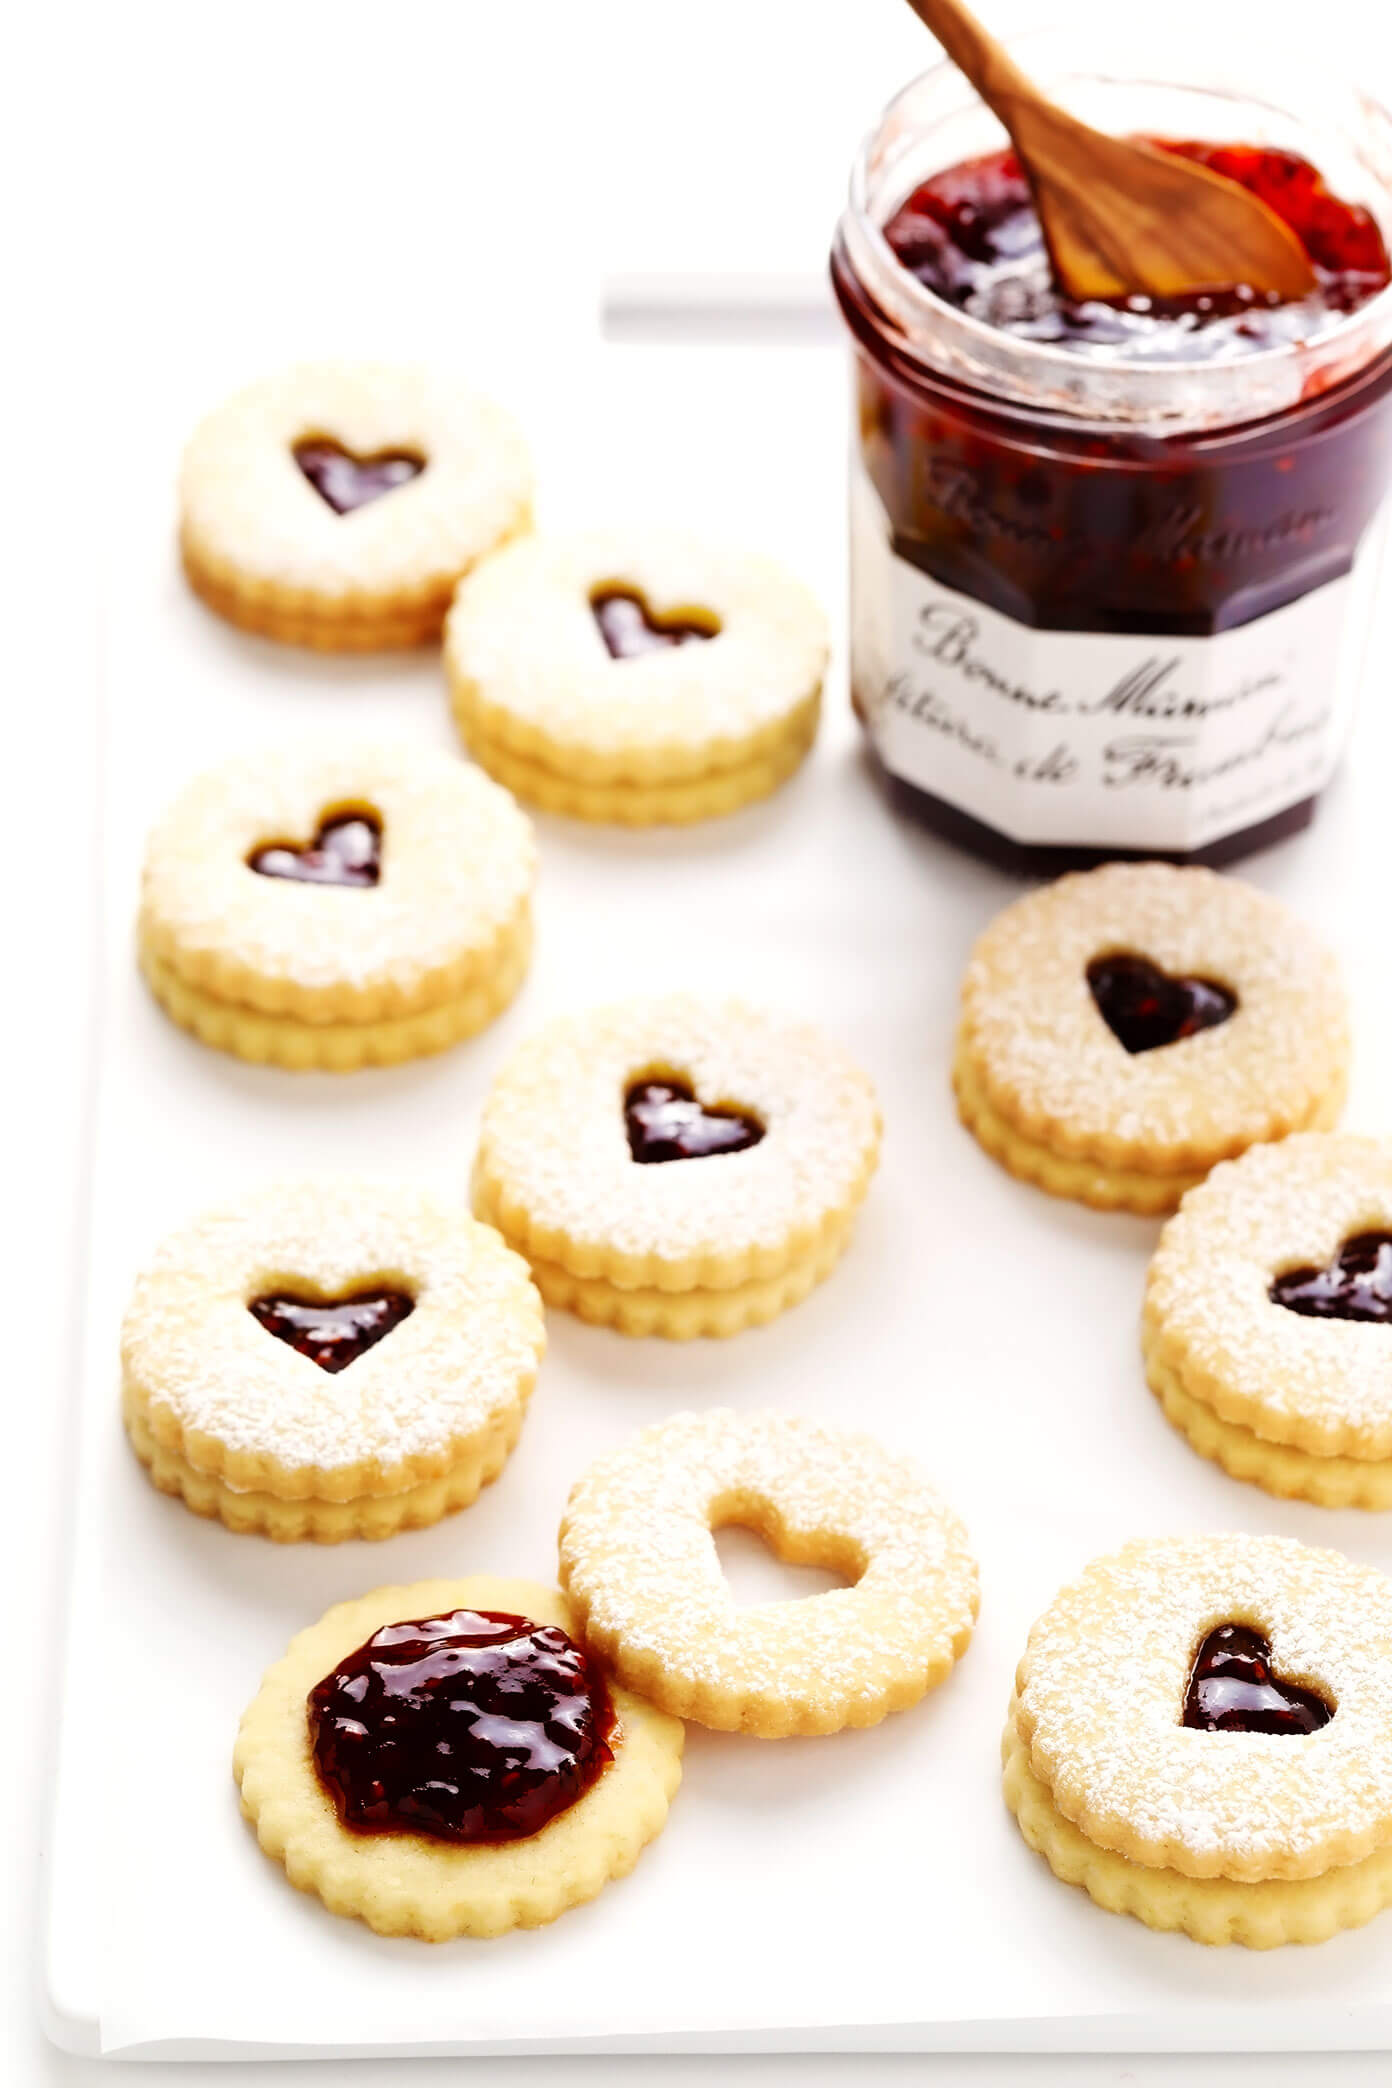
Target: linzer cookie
{"x":677,"y":1166}
{"x":1268,"y":1319}
{"x":336,"y":504}
{"x":1201,"y":1736}
{"x":1124,"y":1030}
{"x":638,"y":1563}
{"x":446,"y":1760}
{"x":329,"y":1357}
{"x":636,"y":675}
{"x":336,"y":905}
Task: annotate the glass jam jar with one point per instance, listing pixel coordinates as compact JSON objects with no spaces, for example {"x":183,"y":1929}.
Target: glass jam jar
{"x":1104,"y":605}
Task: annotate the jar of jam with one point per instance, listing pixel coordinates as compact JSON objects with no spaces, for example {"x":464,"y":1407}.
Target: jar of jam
{"x":1113,"y":566}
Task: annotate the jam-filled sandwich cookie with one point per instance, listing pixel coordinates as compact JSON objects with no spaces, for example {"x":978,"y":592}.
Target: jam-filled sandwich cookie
{"x":1125,"y":1029}
{"x":635,"y":676}
{"x":677,"y":1166}
{"x":329,"y":1357}
{"x":336,"y":505}
{"x":1268,"y":1319}
{"x":638,"y":1562}
{"x":1201,"y":1736}
{"x":447,"y":1760}
{"x":336,"y":906}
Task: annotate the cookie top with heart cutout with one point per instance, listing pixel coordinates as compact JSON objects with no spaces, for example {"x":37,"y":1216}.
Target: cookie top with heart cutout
{"x":643,"y":655}
{"x":1176,"y":1743}
{"x":350,"y":880}
{"x":349,"y":492}
{"x":1152,"y":1018}
{"x":330,"y":1336}
{"x":638,"y":1561}
{"x":762,"y":1140}
{"x":1269,"y":1296}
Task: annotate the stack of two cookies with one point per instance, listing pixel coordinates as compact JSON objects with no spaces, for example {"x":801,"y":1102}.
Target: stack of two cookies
{"x":337,"y":906}
{"x":329,"y":1357}
{"x":675,"y":1166}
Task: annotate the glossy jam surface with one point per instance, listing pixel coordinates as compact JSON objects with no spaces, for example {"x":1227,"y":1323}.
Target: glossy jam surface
{"x":972,"y":236}
{"x":1357,"y":1285}
{"x":1145,"y":1007}
{"x":629,"y":627}
{"x":332,"y":1332}
{"x":345,"y":481}
{"x":1232,"y":1689}
{"x":476,"y":1726}
{"x":666,"y":1122}
{"x":347,"y":850}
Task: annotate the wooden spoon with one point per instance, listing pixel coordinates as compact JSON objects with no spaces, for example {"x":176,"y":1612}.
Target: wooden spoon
{"x":1122,"y":219}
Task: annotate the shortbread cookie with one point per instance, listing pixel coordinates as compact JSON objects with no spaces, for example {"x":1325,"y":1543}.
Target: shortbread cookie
{"x":336,"y":504}
{"x":498,"y":1782}
{"x":639,"y":1564}
{"x":329,"y":1356}
{"x":1268,"y":1319}
{"x":1201,"y":1736}
{"x":676,"y":1166}
{"x":636,"y":675}
{"x":337,"y":906}
{"x":1125,"y":1029}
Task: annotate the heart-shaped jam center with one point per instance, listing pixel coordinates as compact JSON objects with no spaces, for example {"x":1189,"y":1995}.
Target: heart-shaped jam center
{"x":477,"y":1726}
{"x":332,"y":1332}
{"x":1145,"y":1007}
{"x":629,"y":627}
{"x":346,"y":481}
{"x":666,"y":1122}
{"x":347,"y":850}
{"x":1357,"y":1285}
{"x":1232,"y":1689}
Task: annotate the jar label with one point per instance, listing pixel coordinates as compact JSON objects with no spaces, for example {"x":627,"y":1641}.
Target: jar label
{"x":1085,"y":739}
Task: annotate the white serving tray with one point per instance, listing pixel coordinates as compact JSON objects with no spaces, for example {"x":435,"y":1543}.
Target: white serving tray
{"x":867,"y":1891}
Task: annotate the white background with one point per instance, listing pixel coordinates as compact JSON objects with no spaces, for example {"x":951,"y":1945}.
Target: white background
{"x":213,"y":189}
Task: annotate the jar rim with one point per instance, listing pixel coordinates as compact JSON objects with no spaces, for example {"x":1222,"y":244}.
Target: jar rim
{"x":1167,"y":396}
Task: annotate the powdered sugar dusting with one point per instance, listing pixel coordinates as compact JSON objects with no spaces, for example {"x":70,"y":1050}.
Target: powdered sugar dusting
{"x":1325,"y":1384}
{"x":554,"y":1137}
{"x":1051,"y":1065}
{"x":1103,"y":1695}
{"x":446,"y":1374}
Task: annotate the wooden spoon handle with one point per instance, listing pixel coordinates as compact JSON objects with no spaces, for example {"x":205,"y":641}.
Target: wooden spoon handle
{"x":975,"y":52}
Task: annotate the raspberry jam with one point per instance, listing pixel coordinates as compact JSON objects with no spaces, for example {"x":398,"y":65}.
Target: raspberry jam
{"x":346,"y":482}
{"x":972,"y":236}
{"x":1357,"y":1285}
{"x":1111,"y":565}
{"x":347,"y":850}
{"x":1232,"y":1689}
{"x":665,"y":1121}
{"x":477,"y":1726}
{"x":629,"y":628}
{"x":1146,"y":1008}
{"x":332,"y":1332}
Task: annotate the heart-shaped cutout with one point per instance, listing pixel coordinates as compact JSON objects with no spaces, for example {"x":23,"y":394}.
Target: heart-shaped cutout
{"x":666,"y":1122}
{"x":1357,"y":1284}
{"x":1145,"y":1007}
{"x":346,"y":850}
{"x":345,"y":481}
{"x":1232,"y":1689}
{"x":332,"y":1332}
{"x":630,"y":628}
{"x":755,"y":1573}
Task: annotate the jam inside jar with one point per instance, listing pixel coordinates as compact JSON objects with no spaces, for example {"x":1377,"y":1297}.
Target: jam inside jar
{"x":1112,"y":566}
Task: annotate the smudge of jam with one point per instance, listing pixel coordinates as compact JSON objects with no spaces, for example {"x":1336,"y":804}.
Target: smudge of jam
{"x":1357,"y":1284}
{"x":972,"y":236}
{"x":629,"y":628}
{"x":1145,"y":1007}
{"x":332,"y":1332}
{"x":475,"y":1726}
{"x":346,"y":481}
{"x":666,"y":1122}
{"x":1233,"y":1690}
{"x":347,"y":850}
